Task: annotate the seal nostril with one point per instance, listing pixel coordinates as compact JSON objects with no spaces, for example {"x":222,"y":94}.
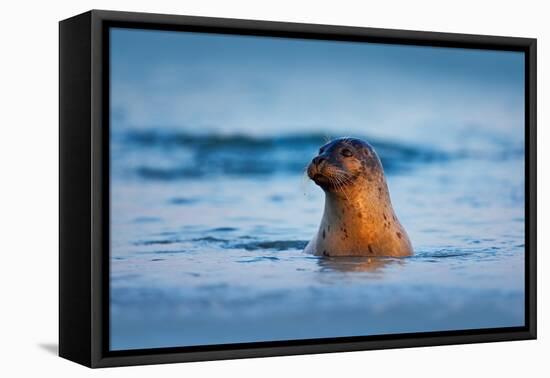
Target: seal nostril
{"x":318,"y":160}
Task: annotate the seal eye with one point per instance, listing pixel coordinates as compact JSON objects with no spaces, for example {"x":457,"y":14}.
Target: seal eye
{"x":346,"y":152}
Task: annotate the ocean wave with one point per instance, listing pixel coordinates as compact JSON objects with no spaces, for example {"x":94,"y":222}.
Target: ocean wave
{"x":163,"y":155}
{"x":177,"y":138}
{"x":278,"y":245}
{"x":254,"y":245}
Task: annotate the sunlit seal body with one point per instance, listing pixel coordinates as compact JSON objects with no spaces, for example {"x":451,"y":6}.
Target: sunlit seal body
{"x":358,"y":219}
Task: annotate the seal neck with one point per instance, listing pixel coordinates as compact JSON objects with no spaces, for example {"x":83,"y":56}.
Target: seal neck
{"x":366,"y":203}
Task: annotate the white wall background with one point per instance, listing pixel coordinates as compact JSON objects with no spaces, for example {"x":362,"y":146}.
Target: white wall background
{"x":29,"y":186}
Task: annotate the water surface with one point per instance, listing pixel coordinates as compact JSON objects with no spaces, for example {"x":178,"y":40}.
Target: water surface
{"x":207,"y":232}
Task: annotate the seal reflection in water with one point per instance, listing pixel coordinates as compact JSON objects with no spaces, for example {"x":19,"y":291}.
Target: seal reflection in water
{"x":358,"y":219}
{"x":357,"y":263}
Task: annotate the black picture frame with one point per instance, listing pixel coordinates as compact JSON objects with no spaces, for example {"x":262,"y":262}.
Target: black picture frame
{"x":84,"y":188}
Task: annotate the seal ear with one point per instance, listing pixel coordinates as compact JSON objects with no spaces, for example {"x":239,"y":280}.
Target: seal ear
{"x":369,"y":160}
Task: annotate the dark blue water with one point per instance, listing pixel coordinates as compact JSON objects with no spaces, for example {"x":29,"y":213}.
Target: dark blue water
{"x":207,"y":235}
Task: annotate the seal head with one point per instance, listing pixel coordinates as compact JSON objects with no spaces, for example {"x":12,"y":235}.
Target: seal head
{"x":358,"y":219}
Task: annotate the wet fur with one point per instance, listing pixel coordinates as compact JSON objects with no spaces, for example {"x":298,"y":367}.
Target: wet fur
{"x":358,"y":219}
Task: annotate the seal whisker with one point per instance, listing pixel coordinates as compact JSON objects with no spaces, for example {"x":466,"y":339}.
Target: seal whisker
{"x":333,"y":182}
{"x":340,"y":185}
{"x":341,"y":172}
{"x":344,"y":177}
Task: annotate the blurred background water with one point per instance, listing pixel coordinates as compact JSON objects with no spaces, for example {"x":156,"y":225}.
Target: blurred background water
{"x":210,"y":207}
